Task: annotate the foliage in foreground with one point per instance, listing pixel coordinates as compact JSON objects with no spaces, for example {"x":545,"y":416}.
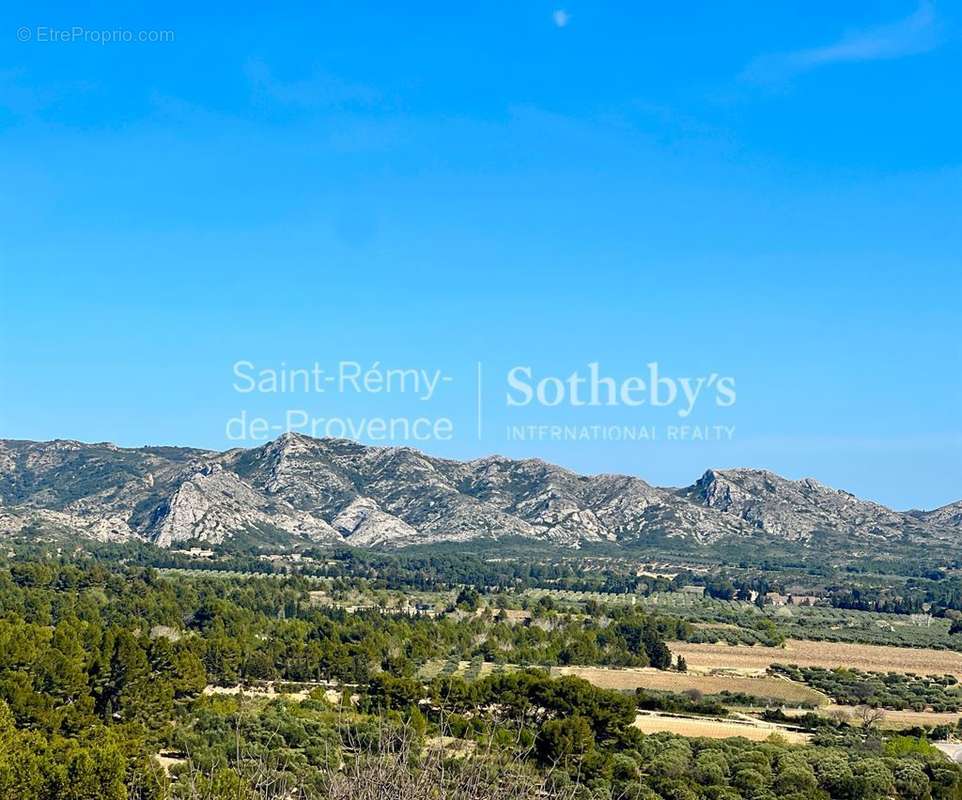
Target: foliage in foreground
{"x":102,"y":667}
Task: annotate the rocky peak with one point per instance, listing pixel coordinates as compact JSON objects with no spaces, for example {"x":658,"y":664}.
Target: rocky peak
{"x":300,"y":488}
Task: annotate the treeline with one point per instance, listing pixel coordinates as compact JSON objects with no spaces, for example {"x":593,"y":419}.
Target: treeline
{"x":934,"y":592}
{"x":878,"y":600}
{"x":439,"y":568}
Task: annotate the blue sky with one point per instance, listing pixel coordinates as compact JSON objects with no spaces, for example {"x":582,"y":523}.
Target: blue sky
{"x":770,"y":192}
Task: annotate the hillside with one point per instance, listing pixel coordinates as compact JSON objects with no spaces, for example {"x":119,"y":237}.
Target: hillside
{"x":329,"y":490}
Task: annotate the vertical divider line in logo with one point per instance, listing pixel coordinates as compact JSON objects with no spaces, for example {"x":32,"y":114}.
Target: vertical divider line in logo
{"x":480,"y":427}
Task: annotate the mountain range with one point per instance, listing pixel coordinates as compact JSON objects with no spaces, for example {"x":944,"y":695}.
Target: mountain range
{"x":300,"y":489}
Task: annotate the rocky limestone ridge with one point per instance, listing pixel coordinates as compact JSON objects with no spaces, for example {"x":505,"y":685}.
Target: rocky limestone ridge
{"x":795,"y":509}
{"x":946,"y":516}
{"x":300,"y":489}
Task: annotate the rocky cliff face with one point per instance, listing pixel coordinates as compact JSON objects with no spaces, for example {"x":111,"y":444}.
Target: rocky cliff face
{"x":796,"y":510}
{"x":325,"y":490}
{"x":947,"y":516}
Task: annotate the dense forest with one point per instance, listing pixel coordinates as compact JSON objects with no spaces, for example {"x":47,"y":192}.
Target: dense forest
{"x":109,"y":676}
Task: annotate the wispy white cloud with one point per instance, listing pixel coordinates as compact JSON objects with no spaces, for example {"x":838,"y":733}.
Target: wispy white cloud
{"x":561,"y":18}
{"x":917,"y":33}
{"x":320,"y":90}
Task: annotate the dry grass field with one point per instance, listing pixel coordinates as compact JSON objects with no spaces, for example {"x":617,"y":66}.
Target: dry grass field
{"x":765,"y":686}
{"x":897,"y":720}
{"x":874,"y":658}
{"x":714,"y":728}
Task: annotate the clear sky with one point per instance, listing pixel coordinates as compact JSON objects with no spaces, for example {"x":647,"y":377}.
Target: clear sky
{"x":770,"y":192}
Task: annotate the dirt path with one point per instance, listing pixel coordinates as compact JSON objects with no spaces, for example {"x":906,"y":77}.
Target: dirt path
{"x":267,"y":691}
{"x":952,"y":750}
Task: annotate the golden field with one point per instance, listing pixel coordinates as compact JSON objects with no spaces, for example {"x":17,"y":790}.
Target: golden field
{"x":897,"y":720}
{"x":763,"y":686}
{"x":873,"y":658}
{"x":714,"y":728}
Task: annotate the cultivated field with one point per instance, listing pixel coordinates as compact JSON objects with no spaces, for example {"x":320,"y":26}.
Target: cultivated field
{"x":896,"y":720}
{"x":714,"y":728}
{"x":764,"y":686}
{"x":874,"y":658}
{"x":469,"y":670}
